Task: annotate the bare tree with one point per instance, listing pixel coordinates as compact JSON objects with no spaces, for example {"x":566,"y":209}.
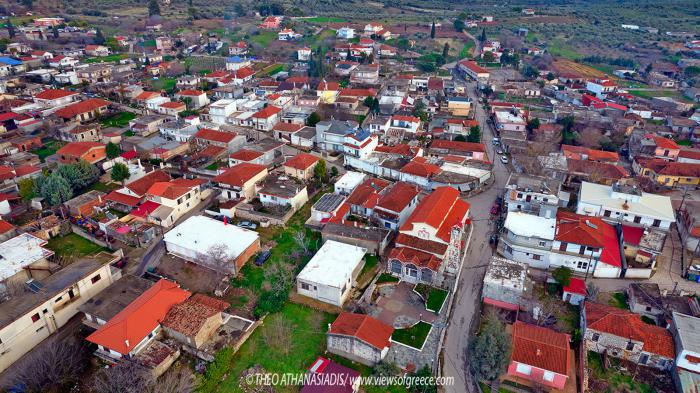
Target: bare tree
{"x":54,"y":364}
{"x":180,"y":380}
{"x":592,"y":291}
{"x":126,"y":377}
{"x":218,"y":258}
{"x":279,"y":278}
{"x":302,"y":241}
{"x":280,"y":335}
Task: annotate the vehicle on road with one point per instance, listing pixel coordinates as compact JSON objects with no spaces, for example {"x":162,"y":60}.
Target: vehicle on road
{"x":496,"y":142}
{"x":499,"y":152}
{"x":247,"y":225}
{"x":504,"y":159}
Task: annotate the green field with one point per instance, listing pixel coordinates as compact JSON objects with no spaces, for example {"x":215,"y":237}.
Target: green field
{"x":287,"y":342}
{"x":414,"y":336}
{"x":325,"y":19}
{"x":466,"y":50}
{"x":315,"y":41}
{"x":120,"y":119}
{"x":72,"y":245}
{"x":434,"y":297}
{"x":558,"y":47}
{"x":272,"y":69}
{"x":167,"y":84}
{"x":675,"y":94}
{"x":264,"y":38}
{"x":107,"y":59}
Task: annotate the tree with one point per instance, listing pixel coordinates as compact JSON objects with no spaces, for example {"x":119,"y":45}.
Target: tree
{"x":112,"y":150}
{"x":459,"y":25}
{"x":88,"y":173}
{"x":218,"y":258}
{"x":27,"y":189}
{"x":460,"y":138}
{"x":52,"y":366}
{"x":369,"y":101}
{"x":125,"y":377}
{"x":177,"y":380}
{"x":313,"y":119}
{"x":153,"y":8}
{"x":10,"y":29}
{"x":386,"y":368}
{"x":562,"y":275}
{"x":54,"y":30}
{"x":120,"y":172}
{"x":419,"y":110}
{"x":482,"y":37}
{"x":320,"y":171}
{"x":99,"y":38}
{"x":489,"y":351}
{"x":239,"y":9}
{"x":474,"y":134}
{"x":550,"y":76}
{"x":427,"y":387}
{"x":375,"y":106}
{"x":432,"y":31}
{"x":334,"y":171}
{"x":532,"y":124}
{"x":446,"y":51}
{"x":55,"y":189}
{"x":488,"y":57}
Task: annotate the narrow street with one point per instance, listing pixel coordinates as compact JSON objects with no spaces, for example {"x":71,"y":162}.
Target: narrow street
{"x":466,"y":305}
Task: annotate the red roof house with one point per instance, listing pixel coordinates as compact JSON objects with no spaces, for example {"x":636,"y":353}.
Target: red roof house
{"x":540,"y":355}
{"x":359,"y":337}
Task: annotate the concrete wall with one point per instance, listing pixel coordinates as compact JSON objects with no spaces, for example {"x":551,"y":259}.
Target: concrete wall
{"x":353,"y":349}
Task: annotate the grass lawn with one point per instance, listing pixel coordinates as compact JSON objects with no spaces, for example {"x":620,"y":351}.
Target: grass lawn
{"x":558,"y":47}
{"x":48,"y":149}
{"x":106,"y":188}
{"x":272,"y":69}
{"x":288,"y":341}
{"x":386,"y":277}
{"x":466,"y":50}
{"x":371,"y":262}
{"x":619,"y":300}
{"x":113,"y":58}
{"x":119,"y":120}
{"x":414,"y":336}
{"x":315,"y":41}
{"x":325,"y":19}
{"x":619,"y":382}
{"x":648,"y":94}
{"x":167,"y":84}
{"x":434,"y":297}
{"x":73,"y":245}
{"x":684,"y":142}
{"x":264,"y":38}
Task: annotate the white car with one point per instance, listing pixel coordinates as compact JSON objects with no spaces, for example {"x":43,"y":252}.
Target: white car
{"x":504,"y":159}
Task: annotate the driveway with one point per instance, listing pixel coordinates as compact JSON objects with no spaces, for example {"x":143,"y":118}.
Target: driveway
{"x":466,"y":307}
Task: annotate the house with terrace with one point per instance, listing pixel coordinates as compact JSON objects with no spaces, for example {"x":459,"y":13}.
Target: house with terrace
{"x":239,"y":181}
{"x":173,"y":199}
{"x":395,"y":204}
{"x":430,"y":243}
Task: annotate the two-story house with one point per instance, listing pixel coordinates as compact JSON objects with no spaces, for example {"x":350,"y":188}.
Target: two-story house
{"x":533,"y":194}
{"x":395,"y":205}
{"x":92,"y":152}
{"x":227,"y":140}
{"x":685,"y":330}
{"x":175,"y":198}
{"x":430,"y":243}
{"x":238,"y":182}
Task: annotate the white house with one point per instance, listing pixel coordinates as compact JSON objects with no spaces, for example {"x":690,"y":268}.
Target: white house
{"x":219,"y":111}
{"x":601,"y":87}
{"x":194,"y":99}
{"x":197,"y":237}
{"x":348,"y":182}
{"x":346,"y":33}
{"x":473,"y":70}
{"x":331,"y":273}
{"x":625,"y":203}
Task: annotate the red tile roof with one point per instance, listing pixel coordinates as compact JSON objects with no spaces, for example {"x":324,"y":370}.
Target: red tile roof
{"x":664,"y":143}
{"x":5,"y":226}
{"x":416,"y":257}
{"x":78,"y":149}
{"x":473,"y":66}
{"x":52,"y":94}
{"x":190,"y":316}
{"x":577,"y":152}
{"x":591,"y":232}
{"x":419,"y":166}
{"x":693,"y":154}
{"x":302,"y":161}
{"x":672,"y":168}
{"x":627,"y":325}
{"x":287,"y":127}
{"x":173,"y":105}
{"x":239,"y":174}
{"x":370,"y":330}
{"x":267,"y":112}
{"x":140,"y":186}
{"x":417,"y":243}
{"x":632,"y":235}
{"x":146,"y":95}
{"x":246,"y":155}
{"x":190,"y":92}
{"x":145,"y":209}
{"x":397,"y":196}
{"x":331,"y":86}
{"x":367,"y":193}
{"x":541,"y":347}
{"x":214,"y":135}
{"x":123,"y":199}
{"x":174,"y":189}
{"x":357,"y":93}
{"x":457,"y":145}
{"x":442,"y":210}
{"x":128,"y":328}
{"x":70,"y":111}
{"x":410,"y":119}
{"x":594,"y":168}
{"x":26,"y":169}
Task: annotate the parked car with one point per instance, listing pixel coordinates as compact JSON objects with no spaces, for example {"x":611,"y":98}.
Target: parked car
{"x":248,"y":225}
{"x":496,"y":141}
{"x":499,"y":152}
{"x":262,"y":257}
{"x":504,"y":159}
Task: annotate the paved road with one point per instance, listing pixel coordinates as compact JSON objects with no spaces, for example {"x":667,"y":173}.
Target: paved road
{"x":466,"y":305}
